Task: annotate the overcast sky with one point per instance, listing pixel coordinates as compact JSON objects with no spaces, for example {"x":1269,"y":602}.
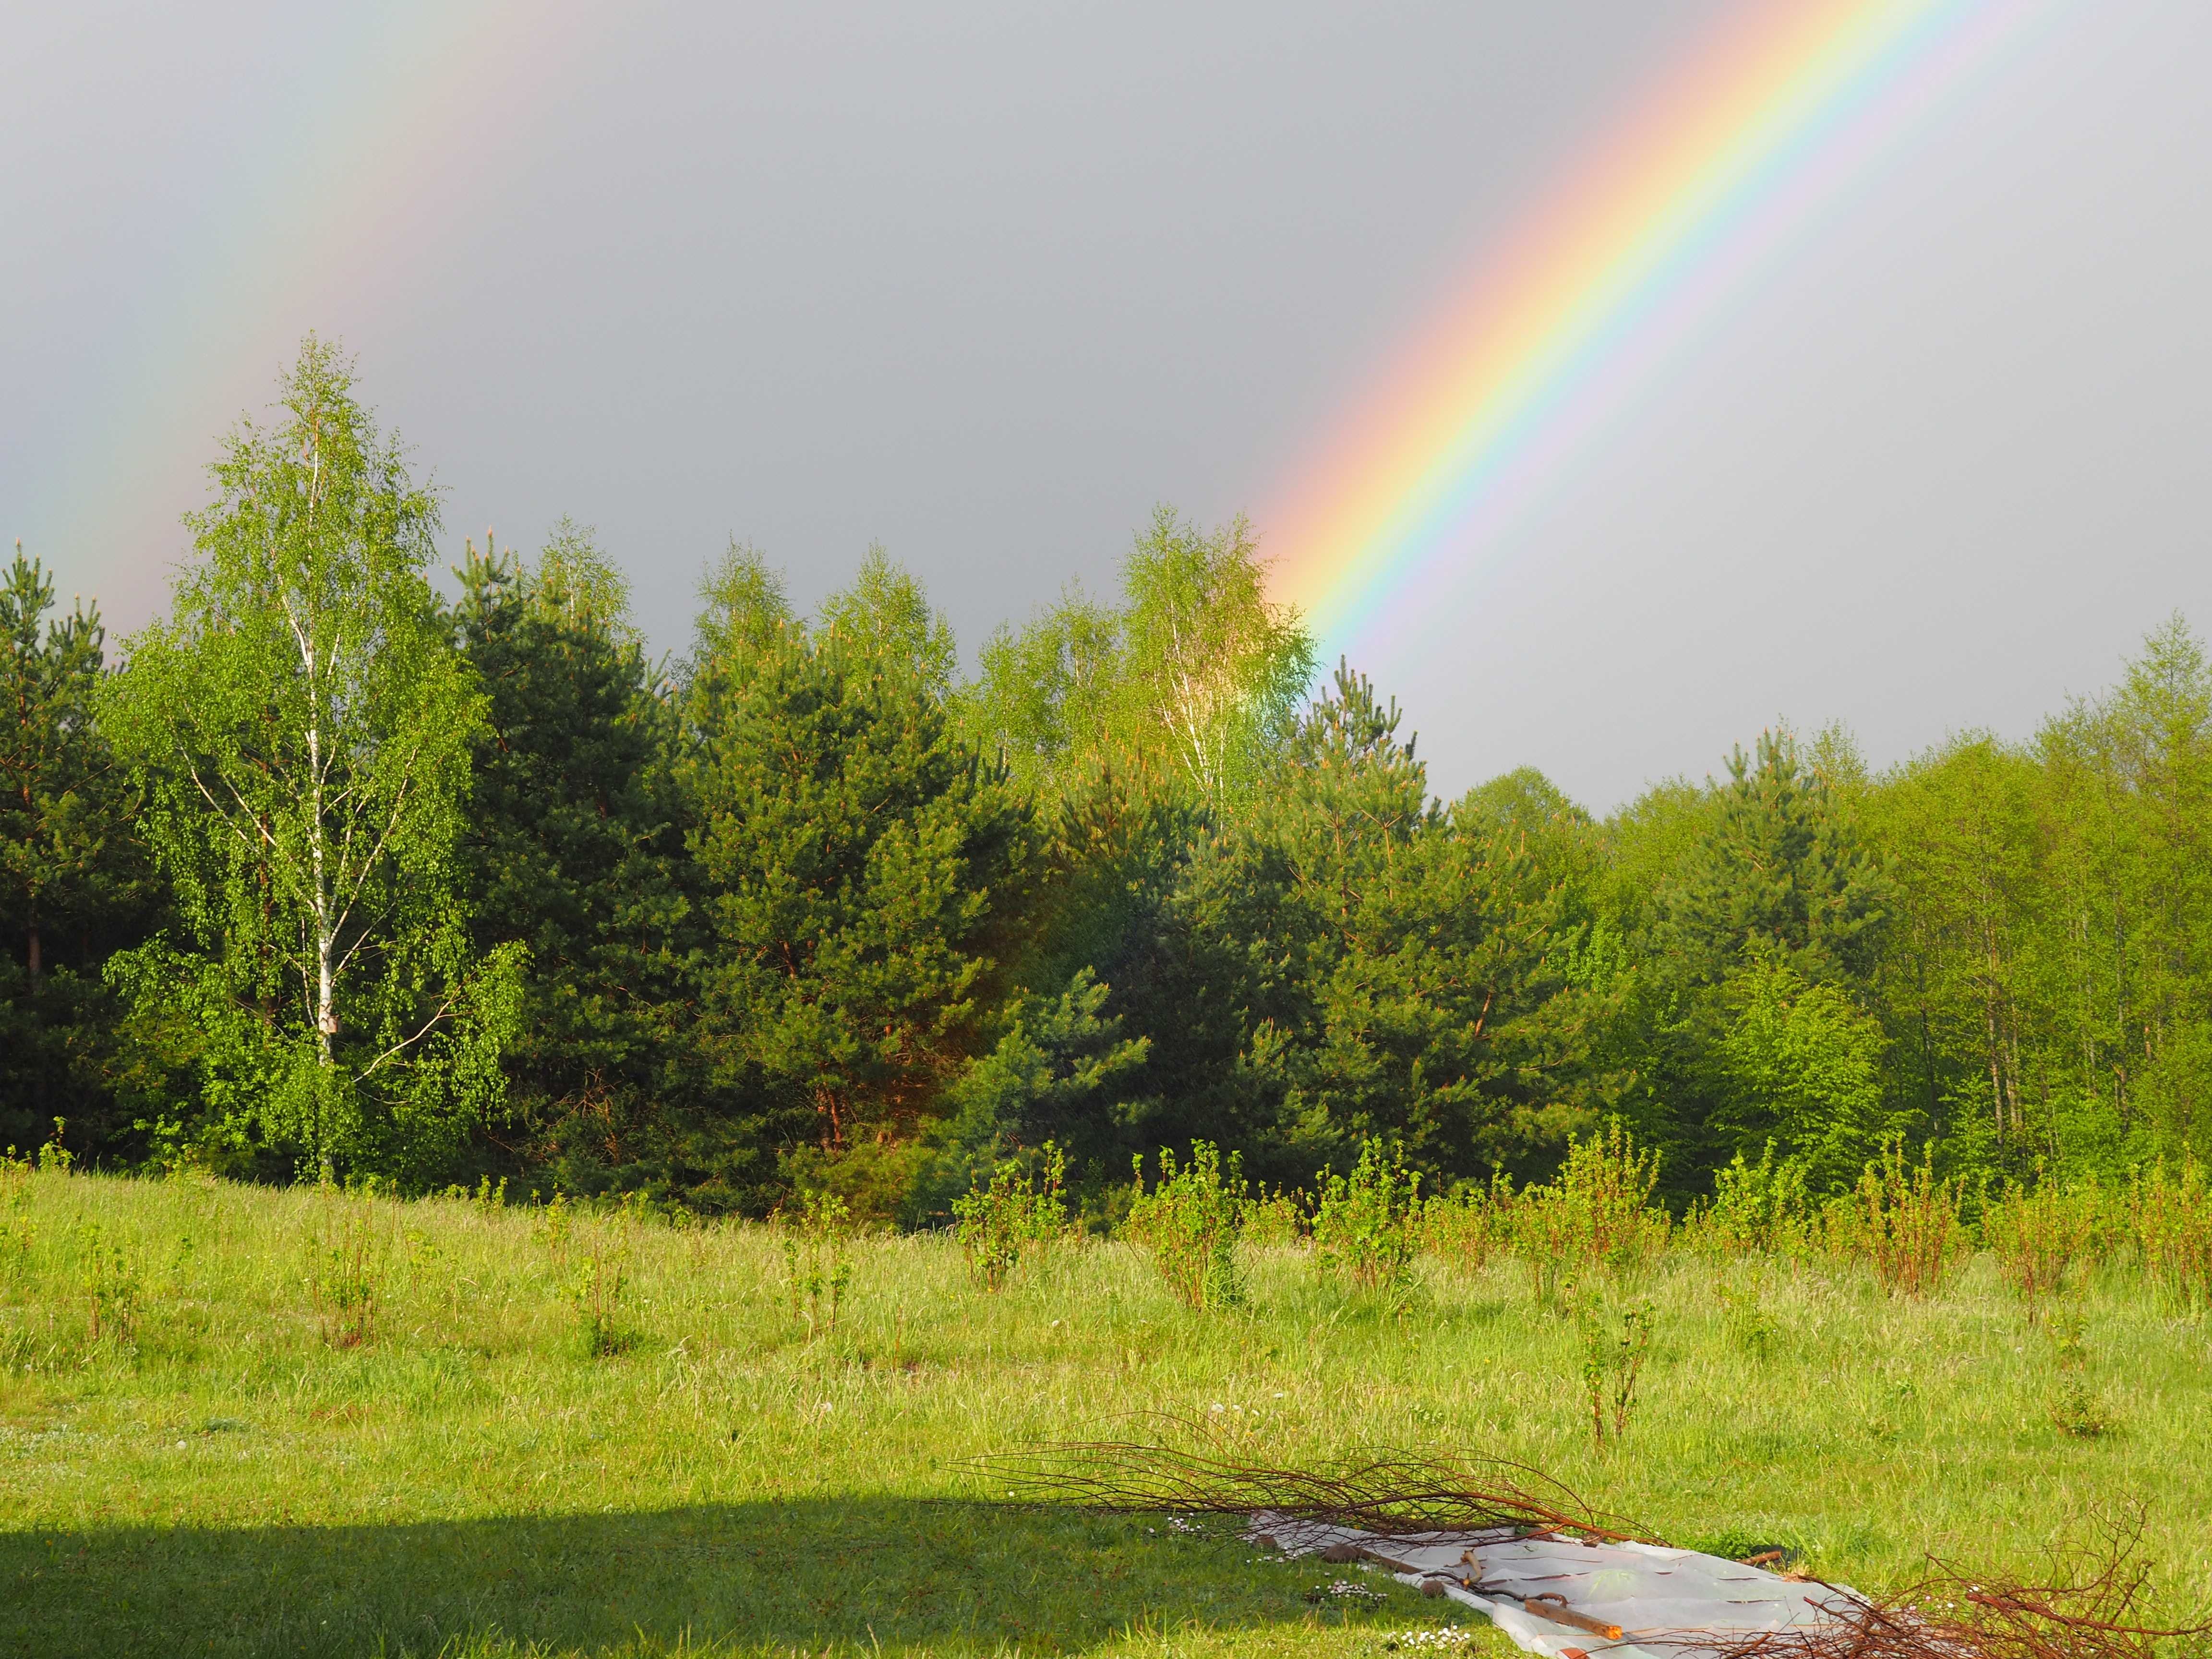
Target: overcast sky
{"x":982,"y":283}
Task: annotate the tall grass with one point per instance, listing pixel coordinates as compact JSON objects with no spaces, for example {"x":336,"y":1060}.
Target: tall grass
{"x":1783,"y":1397}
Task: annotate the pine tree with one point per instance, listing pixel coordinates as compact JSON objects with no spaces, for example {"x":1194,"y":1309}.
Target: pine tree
{"x":859,"y":861}
{"x":1780,"y":868}
{"x":73,"y":883}
{"x":574,"y":849}
{"x":1398,"y":966}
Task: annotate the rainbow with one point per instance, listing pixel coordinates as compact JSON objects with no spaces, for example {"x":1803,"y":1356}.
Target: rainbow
{"x":318,"y":229}
{"x":1592,"y":293}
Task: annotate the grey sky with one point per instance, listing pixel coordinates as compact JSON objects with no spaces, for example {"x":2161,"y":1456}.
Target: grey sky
{"x":984,"y":283}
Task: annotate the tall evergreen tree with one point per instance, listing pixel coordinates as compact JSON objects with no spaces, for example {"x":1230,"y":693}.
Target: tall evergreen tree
{"x":859,"y":861}
{"x":1763,"y":874}
{"x":574,"y":849}
{"x":1780,"y":868}
{"x":73,"y":881}
{"x":1399,"y":968}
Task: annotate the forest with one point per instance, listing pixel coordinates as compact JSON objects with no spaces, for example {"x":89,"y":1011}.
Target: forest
{"x":330,"y":874}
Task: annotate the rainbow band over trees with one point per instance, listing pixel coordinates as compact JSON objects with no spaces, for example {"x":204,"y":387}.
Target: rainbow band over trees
{"x":1444,"y":454}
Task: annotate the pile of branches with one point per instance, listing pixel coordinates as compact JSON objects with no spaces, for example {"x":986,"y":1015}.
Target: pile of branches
{"x":1391,"y":1493}
{"x":2094,"y":1606}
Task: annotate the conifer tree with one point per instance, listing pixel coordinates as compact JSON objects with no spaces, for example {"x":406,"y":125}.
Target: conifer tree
{"x":72,"y":878}
{"x":858,"y":861}
{"x":574,"y":849}
{"x":1395,"y":962}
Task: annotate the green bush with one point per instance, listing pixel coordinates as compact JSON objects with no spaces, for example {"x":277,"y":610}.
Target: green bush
{"x":1190,"y":1221}
{"x":1902,"y":1219}
{"x":1019,"y":1205}
{"x":2173,"y":1212}
{"x":1468,"y":1226}
{"x":1597,"y":1217}
{"x":1613,"y":1344}
{"x":819,"y":1269}
{"x":1757,"y":1209}
{"x":2039,"y":1233}
{"x":1365,"y":1223}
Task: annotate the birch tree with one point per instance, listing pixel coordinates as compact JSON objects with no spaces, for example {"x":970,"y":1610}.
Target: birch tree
{"x":303,"y":726}
{"x":1196,"y":677}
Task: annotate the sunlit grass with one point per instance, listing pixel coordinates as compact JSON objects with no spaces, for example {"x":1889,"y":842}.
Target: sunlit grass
{"x":217,"y":1472}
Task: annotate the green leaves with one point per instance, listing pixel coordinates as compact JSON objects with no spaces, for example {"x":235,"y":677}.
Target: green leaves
{"x":1392,"y":959}
{"x":73,"y":879}
{"x":1190,"y":1221}
{"x":302,"y":726}
{"x":857,"y":856}
{"x":1194,"y":682}
{"x":574,"y":850}
{"x":1364,"y":1224}
{"x":1804,"y":1064}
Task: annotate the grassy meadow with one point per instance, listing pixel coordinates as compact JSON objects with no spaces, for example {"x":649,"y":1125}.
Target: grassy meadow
{"x":248,"y":1421}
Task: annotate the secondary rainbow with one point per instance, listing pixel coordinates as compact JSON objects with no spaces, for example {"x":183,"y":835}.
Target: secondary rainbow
{"x":318,"y":227}
{"x":1763,"y":128}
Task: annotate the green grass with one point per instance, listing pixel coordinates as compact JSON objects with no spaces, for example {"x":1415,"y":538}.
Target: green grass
{"x":218,"y":1477}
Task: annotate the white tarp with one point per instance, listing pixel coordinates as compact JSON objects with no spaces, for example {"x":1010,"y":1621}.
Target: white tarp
{"x":1668,"y":1604}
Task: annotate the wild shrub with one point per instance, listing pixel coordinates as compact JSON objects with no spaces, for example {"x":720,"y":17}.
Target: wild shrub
{"x":552,"y":1227}
{"x":1756,"y":1209}
{"x":816,"y":1261}
{"x":19,"y":1234}
{"x":1745,"y":1320}
{"x":1364,"y":1224}
{"x":1274,"y":1219}
{"x":112,"y":1287}
{"x":2040,"y":1232}
{"x":1596,"y":1216}
{"x":431,"y":1273}
{"x":1468,"y":1227}
{"x":55,"y":1157}
{"x":2172,"y":1215}
{"x":1190,"y":1221}
{"x":1613,"y":1344}
{"x":345,"y":1273}
{"x":595,"y":1290}
{"x":1902,"y":1219}
{"x":1019,"y":1205}
{"x":2074,"y":1407}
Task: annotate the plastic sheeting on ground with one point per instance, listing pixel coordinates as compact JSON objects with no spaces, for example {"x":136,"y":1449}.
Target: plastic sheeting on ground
{"x":1667,"y":1603}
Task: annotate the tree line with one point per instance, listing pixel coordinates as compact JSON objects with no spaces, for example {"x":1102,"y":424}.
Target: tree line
{"x":329,"y":875}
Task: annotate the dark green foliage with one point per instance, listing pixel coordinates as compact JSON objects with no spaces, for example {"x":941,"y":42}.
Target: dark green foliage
{"x":1755,"y":923}
{"x":1778,"y":874}
{"x":74,"y":882}
{"x":859,"y":863}
{"x":575,"y":848}
{"x":1396,"y":969}
{"x":447,"y":892}
{"x":1051,"y":1078}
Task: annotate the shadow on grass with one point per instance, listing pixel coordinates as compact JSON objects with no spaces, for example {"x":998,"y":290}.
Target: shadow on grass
{"x":888,"y":1574}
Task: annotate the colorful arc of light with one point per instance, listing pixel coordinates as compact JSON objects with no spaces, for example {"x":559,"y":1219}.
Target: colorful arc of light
{"x":1445,"y":454}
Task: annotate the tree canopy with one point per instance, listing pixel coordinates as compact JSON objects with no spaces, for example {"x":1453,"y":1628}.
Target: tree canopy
{"x":340,"y":872}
